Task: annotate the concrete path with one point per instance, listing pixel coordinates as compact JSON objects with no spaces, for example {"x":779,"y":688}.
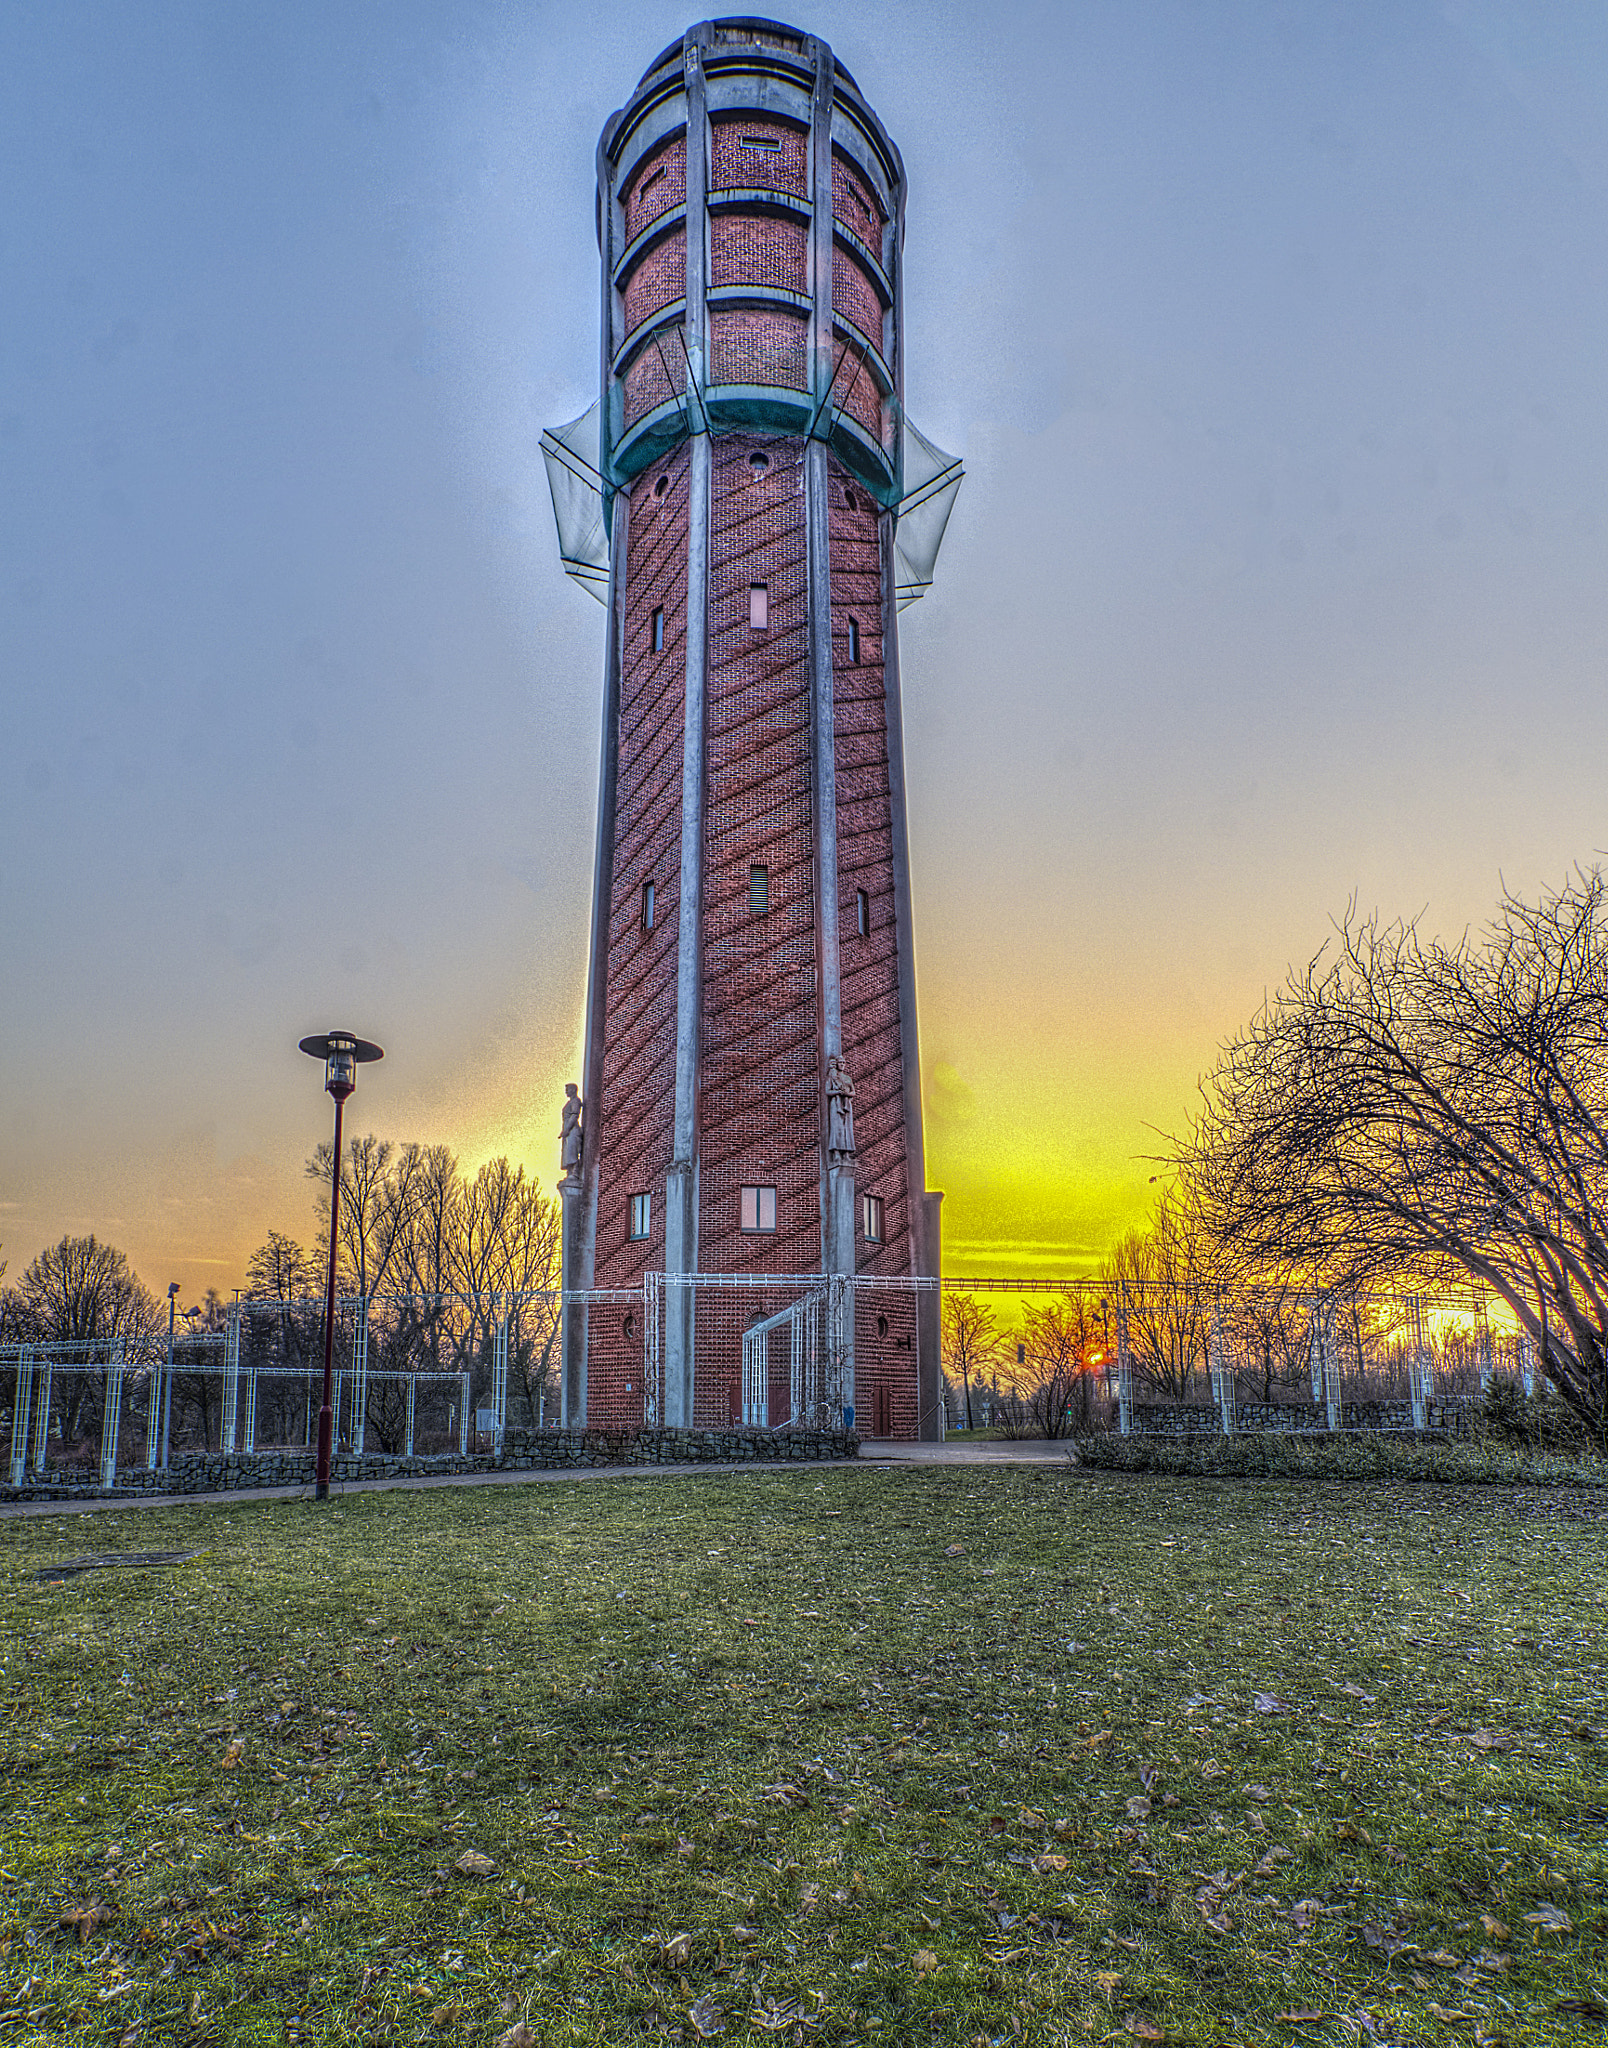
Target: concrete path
{"x":960,"y":1450}
{"x":879,"y":1454}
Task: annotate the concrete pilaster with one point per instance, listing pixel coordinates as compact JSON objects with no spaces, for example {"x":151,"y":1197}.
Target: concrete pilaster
{"x":681,"y":1182}
{"x":930,"y":1324}
{"x":572,"y":1314}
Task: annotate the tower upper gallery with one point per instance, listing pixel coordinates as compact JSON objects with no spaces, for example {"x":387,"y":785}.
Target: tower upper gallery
{"x":782,"y":310}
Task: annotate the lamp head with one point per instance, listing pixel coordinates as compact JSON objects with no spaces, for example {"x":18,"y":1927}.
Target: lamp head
{"x":342,"y":1054}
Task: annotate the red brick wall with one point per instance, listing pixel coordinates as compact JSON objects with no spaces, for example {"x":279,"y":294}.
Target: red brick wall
{"x":733,"y":168}
{"x":857,"y":391}
{"x":658,"y":280}
{"x":869,"y":967}
{"x":886,"y":1390}
{"x":758,"y":347}
{"x":757,"y":248}
{"x":759,"y":1111}
{"x":855,"y":297}
{"x":658,"y":373}
{"x":660,"y":183}
{"x":638,"y":1090}
{"x":855,"y":205}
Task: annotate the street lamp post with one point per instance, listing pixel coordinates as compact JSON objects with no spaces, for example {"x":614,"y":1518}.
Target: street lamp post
{"x":167,"y":1384}
{"x":342,"y":1055}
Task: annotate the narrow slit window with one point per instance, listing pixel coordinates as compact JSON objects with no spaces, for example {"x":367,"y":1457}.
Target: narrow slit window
{"x":759,"y":606}
{"x":662,"y":485}
{"x":771,"y":142}
{"x":854,"y":643}
{"x":647,"y":906}
{"x":759,"y":890}
{"x":862,"y":912}
{"x":641,"y":1216}
{"x":873,"y":1219}
{"x":658,"y":630}
{"x":758,"y":1210}
{"x":649,"y":182}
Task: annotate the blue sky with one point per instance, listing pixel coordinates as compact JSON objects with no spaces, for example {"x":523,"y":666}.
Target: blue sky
{"x":1272,"y":337}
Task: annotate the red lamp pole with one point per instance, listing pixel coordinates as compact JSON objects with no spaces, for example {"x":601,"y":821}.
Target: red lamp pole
{"x":341,"y":1054}
{"x":326,"y":1414}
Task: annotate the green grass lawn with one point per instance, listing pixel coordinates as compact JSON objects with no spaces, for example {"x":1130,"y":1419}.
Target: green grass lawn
{"x":642,"y":1760}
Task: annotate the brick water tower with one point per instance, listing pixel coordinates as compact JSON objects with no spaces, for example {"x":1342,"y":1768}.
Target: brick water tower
{"x":750,"y":502}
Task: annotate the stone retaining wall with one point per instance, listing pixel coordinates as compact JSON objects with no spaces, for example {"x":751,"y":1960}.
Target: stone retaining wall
{"x":1394,"y":1418}
{"x":544,"y":1450}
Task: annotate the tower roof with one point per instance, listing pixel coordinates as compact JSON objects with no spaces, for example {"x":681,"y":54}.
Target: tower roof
{"x":735,"y":28}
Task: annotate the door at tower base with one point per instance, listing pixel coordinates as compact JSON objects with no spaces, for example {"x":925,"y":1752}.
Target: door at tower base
{"x":752,"y":505}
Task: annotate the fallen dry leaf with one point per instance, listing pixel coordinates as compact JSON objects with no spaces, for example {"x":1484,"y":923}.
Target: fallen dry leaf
{"x":1495,"y":1928}
{"x":1219,"y":1923}
{"x":1268,"y":1703}
{"x":1491,"y":1738}
{"x":232,"y":1755}
{"x":1257,"y":1792}
{"x":1442,"y":1959}
{"x":1045,"y":1864}
{"x":1108,"y":1980}
{"x":1306,"y":1913}
{"x":677,"y":1949}
{"x":1143,"y":2027}
{"x":1550,"y":1919}
{"x":1441,"y":2013}
{"x":924,"y":1962}
{"x":447,"y":2015}
{"x":707,"y":2017}
{"x":517,"y":2037}
{"x":1270,"y":1862}
{"x":86,"y":1918}
{"x":955,"y":1550}
{"x":1301,"y":2018}
{"x":1138,"y":1809}
{"x":472,"y":1863}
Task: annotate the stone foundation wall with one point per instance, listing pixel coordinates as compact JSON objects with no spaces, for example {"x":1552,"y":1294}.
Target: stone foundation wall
{"x":542,"y":1451}
{"x":1442,"y":1418}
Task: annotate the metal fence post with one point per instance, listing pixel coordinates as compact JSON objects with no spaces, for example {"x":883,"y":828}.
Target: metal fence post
{"x":111,"y":1416}
{"x":42,"y":1415}
{"x":360,"y":1375}
{"x":231,"y":1379}
{"x":19,"y":1413}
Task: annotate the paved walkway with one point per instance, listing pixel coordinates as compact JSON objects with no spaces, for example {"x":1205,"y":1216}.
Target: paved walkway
{"x":878,"y":1454}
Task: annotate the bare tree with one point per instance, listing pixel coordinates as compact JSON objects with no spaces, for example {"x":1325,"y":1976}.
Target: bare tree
{"x":971,"y":1341}
{"x":1414,"y":1114}
{"x":1053,"y":1380}
{"x":1162,"y":1279}
{"x":81,"y":1291}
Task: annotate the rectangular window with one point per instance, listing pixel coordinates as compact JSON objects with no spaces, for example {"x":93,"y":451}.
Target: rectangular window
{"x":873,"y":1219}
{"x":759,"y":890}
{"x":854,"y":643}
{"x":761,"y":142}
{"x":658,"y":631}
{"x":759,"y":1209}
{"x":759,"y":606}
{"x":647,"y":906}
{"x":641,"y":1215}
{"x":862,"y":913}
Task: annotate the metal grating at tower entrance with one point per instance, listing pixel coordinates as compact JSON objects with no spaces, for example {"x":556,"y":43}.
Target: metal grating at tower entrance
{"x":753,"y":507}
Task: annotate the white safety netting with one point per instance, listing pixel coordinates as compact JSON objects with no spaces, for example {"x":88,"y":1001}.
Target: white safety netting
{"x":571,"y":454}
{"x":931,"y":481}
